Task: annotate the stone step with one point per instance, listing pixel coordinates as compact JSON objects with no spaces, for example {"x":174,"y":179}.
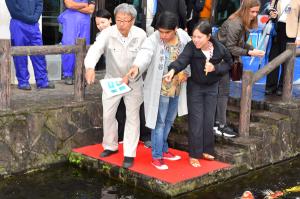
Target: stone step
{"x":257,"y":115}
{"x":231,"y":154}
{"x":251,"y":150}
{"x":268,"y":104}
{"x":258,"y":129}
{"x":230,"y":150}
{"x":242,"y":142}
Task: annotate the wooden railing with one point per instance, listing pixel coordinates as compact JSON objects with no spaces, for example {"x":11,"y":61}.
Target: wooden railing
{"x":249,"y":78}
{"x":6,"y":51}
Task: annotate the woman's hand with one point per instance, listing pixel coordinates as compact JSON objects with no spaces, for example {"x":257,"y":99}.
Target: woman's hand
{"x":90,"y":76}
{"x":182,"y":77}
{"x":168,"y":77}
{"x":273,"y":13}
{"x":256,"y":53}
{"x":209,"y":67}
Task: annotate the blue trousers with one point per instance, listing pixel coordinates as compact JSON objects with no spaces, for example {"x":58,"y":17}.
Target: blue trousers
{"x":23,"y":34}
{"x":166,"y":115}
{"x":75,"y":25}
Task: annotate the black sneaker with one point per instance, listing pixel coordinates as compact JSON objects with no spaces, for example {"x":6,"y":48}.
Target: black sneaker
{"x":227,"y":131}
{"x":217,"y":132}
{"x":216,"y":129}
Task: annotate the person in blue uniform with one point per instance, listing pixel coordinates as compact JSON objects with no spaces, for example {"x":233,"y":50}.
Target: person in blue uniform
{"x":75,"y":21}
{"x":24,"y":30}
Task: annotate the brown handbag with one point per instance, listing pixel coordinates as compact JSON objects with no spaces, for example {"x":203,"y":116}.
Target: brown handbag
{"x":236,"y":70}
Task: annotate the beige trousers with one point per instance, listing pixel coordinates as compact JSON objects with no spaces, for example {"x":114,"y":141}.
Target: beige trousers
{"x":133,"y":101}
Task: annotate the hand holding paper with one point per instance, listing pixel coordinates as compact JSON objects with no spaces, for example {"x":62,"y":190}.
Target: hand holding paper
{"x":114,"y":86}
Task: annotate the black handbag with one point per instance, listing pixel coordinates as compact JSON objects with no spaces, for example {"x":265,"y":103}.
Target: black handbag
{"x":236,"y":71}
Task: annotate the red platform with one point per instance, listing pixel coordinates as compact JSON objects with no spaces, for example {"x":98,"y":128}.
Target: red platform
{"x":178,"y":171}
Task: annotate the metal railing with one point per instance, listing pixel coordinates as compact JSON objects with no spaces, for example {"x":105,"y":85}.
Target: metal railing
{"x":249,"y":78}
{"x":6,"y":51}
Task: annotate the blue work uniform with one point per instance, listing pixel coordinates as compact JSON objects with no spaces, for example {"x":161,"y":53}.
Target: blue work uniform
{"x":24,"y":30}
{"x":75,"y":25}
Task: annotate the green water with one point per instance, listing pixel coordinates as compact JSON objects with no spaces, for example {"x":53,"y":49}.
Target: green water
{"x":67,"y":182}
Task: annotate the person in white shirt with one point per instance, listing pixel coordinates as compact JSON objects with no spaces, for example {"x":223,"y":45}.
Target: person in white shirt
{"x":151,"y":9}
{"x":286,"y":13}
{"x":120,"y":44}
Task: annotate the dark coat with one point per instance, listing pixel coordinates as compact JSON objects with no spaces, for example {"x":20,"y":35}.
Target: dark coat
{"x":28,"y":11}
{"x":176,"y":6}
{"x":234,"y":36}
{"x":221,"y":59}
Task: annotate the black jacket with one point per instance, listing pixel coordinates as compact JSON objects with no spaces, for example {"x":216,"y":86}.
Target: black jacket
{"x":221,"y":59}
{"x":26,"y":11}
{"x":175,"y":6}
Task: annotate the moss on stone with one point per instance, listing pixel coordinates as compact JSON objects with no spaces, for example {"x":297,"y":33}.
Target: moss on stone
{"x":76,"y":159}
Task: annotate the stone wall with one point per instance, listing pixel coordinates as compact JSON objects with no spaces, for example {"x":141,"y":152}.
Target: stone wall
{"x":36,"y":138}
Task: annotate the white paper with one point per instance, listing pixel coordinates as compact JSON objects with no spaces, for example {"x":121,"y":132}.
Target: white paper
{"x":114,"y":86}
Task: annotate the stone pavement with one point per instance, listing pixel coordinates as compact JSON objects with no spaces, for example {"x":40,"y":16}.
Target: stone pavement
{"x":62,"y":95}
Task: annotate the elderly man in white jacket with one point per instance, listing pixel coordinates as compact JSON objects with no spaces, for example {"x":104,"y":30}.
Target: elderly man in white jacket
{"x":120,"y":44}
{"x":161,"y":99}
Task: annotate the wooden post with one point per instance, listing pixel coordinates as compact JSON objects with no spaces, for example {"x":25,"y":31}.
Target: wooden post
{"x":79,"y":71}
{"x":5,"y":91}
{"x":245,"y":106}
{"x":289,"y":74}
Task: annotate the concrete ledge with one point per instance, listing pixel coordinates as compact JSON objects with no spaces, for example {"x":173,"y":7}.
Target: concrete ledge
{"x":151,"y":184}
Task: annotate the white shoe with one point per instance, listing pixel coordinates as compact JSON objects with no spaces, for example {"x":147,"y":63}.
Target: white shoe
{"x":217,"y":132}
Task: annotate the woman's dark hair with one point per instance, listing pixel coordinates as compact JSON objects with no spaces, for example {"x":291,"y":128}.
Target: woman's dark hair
{"x":204,"y":27}
{"x":103,"y":13}
{"x":167,"y":20}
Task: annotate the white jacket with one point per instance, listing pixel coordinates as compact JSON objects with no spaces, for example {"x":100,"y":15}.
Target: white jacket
{"x":152,"y":59}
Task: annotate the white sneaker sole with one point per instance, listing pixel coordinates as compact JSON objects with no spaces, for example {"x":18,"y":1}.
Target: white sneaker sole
{"x":176,"y":157}
{"x":219,"y":133}
{"x":229,"y":135}
{"x":162,"y":167}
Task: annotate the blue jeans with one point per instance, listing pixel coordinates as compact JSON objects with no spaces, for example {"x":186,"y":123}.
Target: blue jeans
{"x":166,"y":115}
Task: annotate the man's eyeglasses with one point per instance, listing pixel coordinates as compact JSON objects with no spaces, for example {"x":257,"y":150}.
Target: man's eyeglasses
{"x":124,"y":21}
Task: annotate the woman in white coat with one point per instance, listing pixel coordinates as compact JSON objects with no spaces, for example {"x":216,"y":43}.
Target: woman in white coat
{"x":161,"y":99}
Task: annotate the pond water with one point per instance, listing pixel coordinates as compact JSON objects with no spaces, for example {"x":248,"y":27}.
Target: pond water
{"x":67,"y":182}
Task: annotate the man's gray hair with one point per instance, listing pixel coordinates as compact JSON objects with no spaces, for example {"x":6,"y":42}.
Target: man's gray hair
{"x":126,"y":8}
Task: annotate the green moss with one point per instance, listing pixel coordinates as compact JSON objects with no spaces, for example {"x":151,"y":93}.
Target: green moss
{"x":75,"y":159}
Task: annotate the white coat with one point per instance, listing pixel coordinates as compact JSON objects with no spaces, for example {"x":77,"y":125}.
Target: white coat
{"x":151,"y":58}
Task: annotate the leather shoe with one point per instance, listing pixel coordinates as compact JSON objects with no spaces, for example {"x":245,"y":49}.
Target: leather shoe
{"x":128,"y":162}
{"x":26,"y":88}
{"x":50,"y":85}
{"x":69,"y":81}
{"x":107,"y":153}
